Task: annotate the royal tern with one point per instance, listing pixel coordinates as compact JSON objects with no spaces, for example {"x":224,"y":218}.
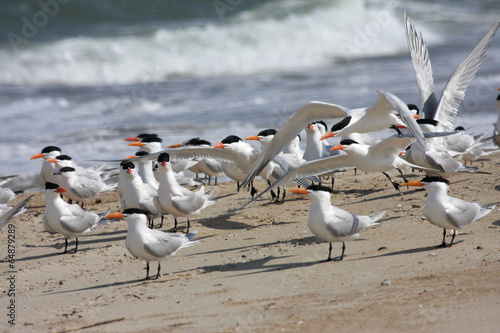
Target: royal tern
{"x":137,"y":194}
{"x":448,"y":212}
{"x":47,"y":167}
{"x":446,"y":109}
{"x":177,"y":200}
{"x":79,"y":188}
{"x":330,"y":223}
{"x":66,"y":219}
{"x":7,"y":213}
{"x":379,"y":116}
{"x":145,"y":171}
{"x":149,"y":244}
{"x":433,"y":156}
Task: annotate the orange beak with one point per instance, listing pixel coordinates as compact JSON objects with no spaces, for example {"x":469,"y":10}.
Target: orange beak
{"x":328,"y":135}
{"x":115,"y":216}
{"x":131,"y":156}
{"x":136,"y":144}
{"x":175,"y":146}
{"x":414,"y":183}
{"x":61,"y":190}
{"x":52,"y":160}
{"x":338,"y":147}
{"x":401,"y":153}
{"x":39,"y":155}
{"x":253,"y":137}
{"x":163,"y":164}
{"x":129,"y":171}
{"x":300,"y":191}
{"x":132,"y":138}
{"x":219,"y":145}
{"x":415,"y":116}
{"x":310,"y":126}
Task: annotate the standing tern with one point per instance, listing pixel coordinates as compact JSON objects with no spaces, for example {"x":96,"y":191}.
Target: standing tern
{"x":448,"y":212}
{"x":175,"y":199}
{"x":446,"y":109}
{"x":331,"y":223}
{"x":137,"y":194}
{"x":47,"y":167}
{"x":66,"y":219}
{"x":149,"y":244}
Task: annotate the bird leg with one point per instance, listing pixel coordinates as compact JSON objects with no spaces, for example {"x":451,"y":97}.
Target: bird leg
{"x":396,"y":185}
{"x":175,"y":224}
{"x":453,"y":237}
{"x":159,"y":269}
{"x":402,"y":175}
{"x":394,"y":127}
{"x":76,"y":244}
{"x":215,"y":180}
{"x":329,"y":253}
{"x":161,"y":223}
{"x":65,"y":246}
{"x":188,"y":226}
{"x":342,"y":255}
{"x":253,"y":191}
{"x":443,"y":244}
{"x":147,"y":271}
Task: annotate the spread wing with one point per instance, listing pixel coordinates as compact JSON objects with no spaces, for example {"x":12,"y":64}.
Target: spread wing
{"x":422,"y":65}
{"x":454,"y":91}
{"x":290,"y":129}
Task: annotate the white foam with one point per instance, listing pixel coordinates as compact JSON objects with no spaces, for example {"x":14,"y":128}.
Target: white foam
{"x":266,"y":40}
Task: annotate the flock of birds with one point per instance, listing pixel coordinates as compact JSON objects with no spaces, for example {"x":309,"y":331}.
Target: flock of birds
{"x":152,"y":183}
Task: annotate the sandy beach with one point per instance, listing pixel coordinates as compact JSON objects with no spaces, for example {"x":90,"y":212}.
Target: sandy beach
{"x":261,"y":270}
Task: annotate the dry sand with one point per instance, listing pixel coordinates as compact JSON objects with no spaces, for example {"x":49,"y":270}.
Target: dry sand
{"x":261,"y":269}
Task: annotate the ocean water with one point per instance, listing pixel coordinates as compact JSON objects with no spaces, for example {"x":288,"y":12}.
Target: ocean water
{"x":84,"y":75}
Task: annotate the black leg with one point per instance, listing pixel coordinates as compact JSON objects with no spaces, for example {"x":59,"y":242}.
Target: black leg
{"x":396,"y":185}
{"x":65,"y":245}
{"x":159,"y":269}
{"x":253,"y":191}
{"x":238,"y":186}
{"x":342,"y":255}
{"x":188,"y":226}
{"x":70,"y":201}
{"x":402,"y":175}
{"x":273,"y":196}
{"x":147,"y":271}
{"x":161,"y":223}
{"x":82,"y":204}
{"x":443,"y":244}
{"x":76,"y":244}
{"x":175,"y":224}
{"x":215,"y":181}
{"x":394,"y":127}
{"x":333,"y":182}
{"x":329,"y":253}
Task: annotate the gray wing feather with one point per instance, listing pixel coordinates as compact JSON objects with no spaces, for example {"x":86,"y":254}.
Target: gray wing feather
{"x":164,"y":244}
{"x":454,"y":90}
{"x":11,"y":213}
{"x":290,"y":129}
